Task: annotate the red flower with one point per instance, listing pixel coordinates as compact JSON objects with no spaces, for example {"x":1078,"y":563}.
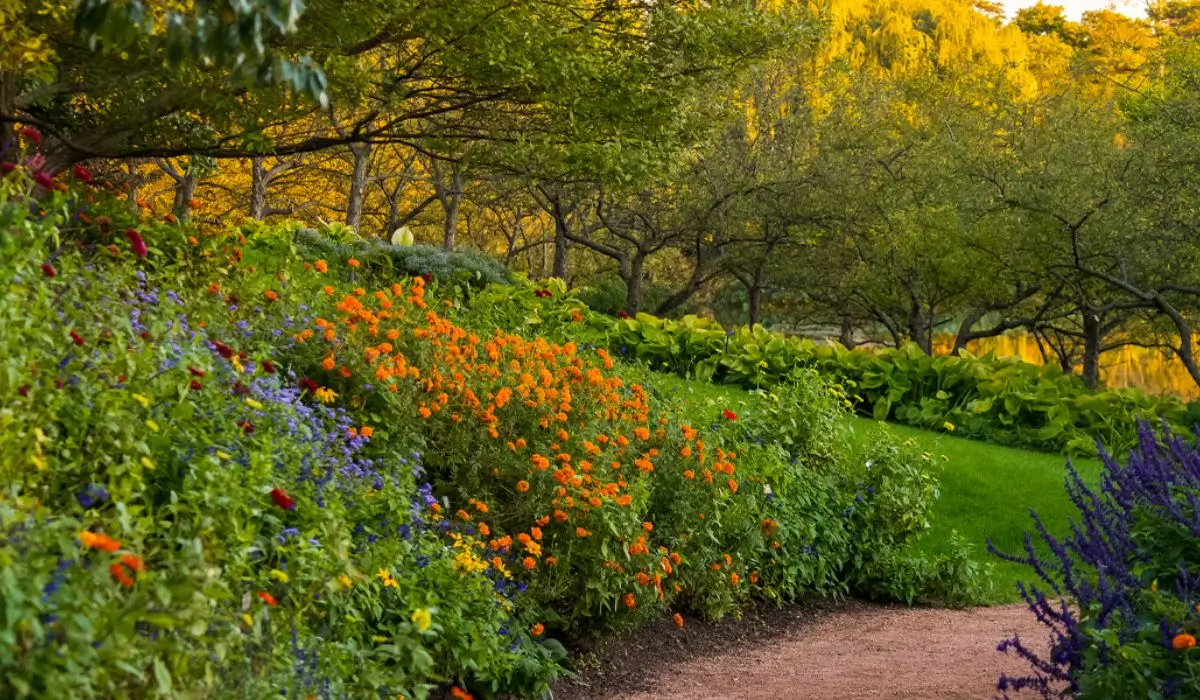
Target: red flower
{"x":48,"y":270}
{"x":622,"y":314}
{"x":44,"y":179}
{"x":309,"y":385}
{"x":118,"y":573}
{"x":427,"y":277}
{"x":268,"y":598}
{"x":729,"y":414}
{"x":6,"y":167}
{"x":145,"y":335}
{"x":195,"y":372}
{"x":240,"y":389}
{"x":196,"y":385}
{"x":82,"y":174}
{"x":268,"y":366}
{"x":134,"y":562}
{"x":32,"y":134}
{"x":282,"y":499}
{"x":136,"y":242}
{"x":76,"y":338}
{"x":222,"y":349}
{"x":246,"y":426}
{"x":23,"y":390}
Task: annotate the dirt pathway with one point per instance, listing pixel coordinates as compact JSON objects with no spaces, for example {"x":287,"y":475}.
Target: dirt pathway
{"x":852,"y":650}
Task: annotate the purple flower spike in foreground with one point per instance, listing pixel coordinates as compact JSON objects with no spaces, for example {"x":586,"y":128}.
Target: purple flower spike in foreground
{"x":1122,"y":588}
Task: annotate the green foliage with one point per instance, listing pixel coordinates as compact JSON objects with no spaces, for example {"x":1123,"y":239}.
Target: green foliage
{"x":1002,"y":400}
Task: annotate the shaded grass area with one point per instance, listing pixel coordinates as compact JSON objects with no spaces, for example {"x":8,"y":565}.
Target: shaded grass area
{"x":987,"y":491}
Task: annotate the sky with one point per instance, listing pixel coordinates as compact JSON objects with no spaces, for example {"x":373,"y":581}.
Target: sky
{"x":1075,"y":8}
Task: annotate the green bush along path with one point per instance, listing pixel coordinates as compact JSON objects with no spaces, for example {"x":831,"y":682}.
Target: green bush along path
{"x":986,"y":491}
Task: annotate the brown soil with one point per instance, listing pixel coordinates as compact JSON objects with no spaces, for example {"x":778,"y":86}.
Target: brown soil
{"x":820,"y":651}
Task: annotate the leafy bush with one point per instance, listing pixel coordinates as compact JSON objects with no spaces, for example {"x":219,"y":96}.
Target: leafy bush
{"x":1121,"y":592}
{"x":386,"y":262}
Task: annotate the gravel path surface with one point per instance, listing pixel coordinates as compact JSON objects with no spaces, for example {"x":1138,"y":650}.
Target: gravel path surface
{"x":852,"y":650}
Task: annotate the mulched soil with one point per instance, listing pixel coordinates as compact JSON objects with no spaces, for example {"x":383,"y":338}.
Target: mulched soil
{"x":821,"y":650}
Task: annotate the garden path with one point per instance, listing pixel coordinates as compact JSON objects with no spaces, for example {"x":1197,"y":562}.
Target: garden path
{"x":852,"y":650}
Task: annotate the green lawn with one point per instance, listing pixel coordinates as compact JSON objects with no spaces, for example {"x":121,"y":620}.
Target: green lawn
{"x":987,"y":490}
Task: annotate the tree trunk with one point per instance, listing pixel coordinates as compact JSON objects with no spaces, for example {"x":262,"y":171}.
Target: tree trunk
{"x":258,"y":188}
{"x":633,"y":284}
{"x":1091,"y":348}
{"x":754,"y":293}
{"x":964,"y":331}
{"x":846,"y":334}
{"x":560,"y":242}
{"x":358,"y":184}
{"x":185,"y":192}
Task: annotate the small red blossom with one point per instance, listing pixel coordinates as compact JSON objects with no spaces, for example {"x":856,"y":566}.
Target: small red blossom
{"x":44,"y":180}
{"x":268,"y":366}
{"x":196,"y":372}
{"x":222,"y":349}
{"x":196,"y":385}
{"x":427,"y":277}
{"x":49,"y":271}
{"x":76,"y":338}
{"x":246,"y":426}
{"x":267,"y":598}
{"x":136,"y":242}
{"x":23,"y":390}
{"x":729,"y":414}
{"x":82,"y":174}
{"x":7,"y":167}
{"x":309,"y":385}
{"x":118,"y":572}
{"x":240,"y":389}
{"x":622,"y":314}
{"x":145,"y":335}
{"x":32,"y":134}
{"x":282,"y":499}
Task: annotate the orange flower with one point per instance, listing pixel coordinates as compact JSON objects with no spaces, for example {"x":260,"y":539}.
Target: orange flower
{"x":270,"y":295}
{"x":522,"y":486}
{"x":367,"y":431}
{"x":678,"y":620}
{"x":134,"y":562}
{"x":733,"y":578}
{"x":624,"y":499}
{"x":267,"y":598}
{"x":353,"y":262}
{"x":581,"y":532}
{"x":537,"y":630}
{"x":629,"y":601}
{"x":1183,"y":641}
{"x":689,"y":474}
{"x":328,"y":362}
{"x":647,"y":526}
{"x":460,"y":694}
{"x":551,"y":561}
{"x":118,"y":573}
{"x":484,"y":529}
{"x":96,"y":540}
{"x":321,"y":266}
{"x":327,"y":289}
{"x":529,"y":563}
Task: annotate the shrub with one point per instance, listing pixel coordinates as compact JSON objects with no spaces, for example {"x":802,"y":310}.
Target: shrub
{"x":385,"y":262}
{"x":1120,"y":592}
{"x":179,"y":510}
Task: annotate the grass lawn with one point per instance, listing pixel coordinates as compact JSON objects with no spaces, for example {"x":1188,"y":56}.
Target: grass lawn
{"x":987,"y":490}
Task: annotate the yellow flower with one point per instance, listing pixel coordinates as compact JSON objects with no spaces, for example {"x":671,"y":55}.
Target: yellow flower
{"x":152,"y":425}
{"x":948,"y":426}
{"x":254,"y":404}
{"x":378,"y":639}
{"x":148,"y":463}
{"x":143,"y":400}
{"x":422,"y":619}
{"x":248,"y":620}
{"x":222,"y":454}
{"x":38,"y":461}
{"x":345,"y":581}
{"x":280,"y":576}
{"x":326,"y":395}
